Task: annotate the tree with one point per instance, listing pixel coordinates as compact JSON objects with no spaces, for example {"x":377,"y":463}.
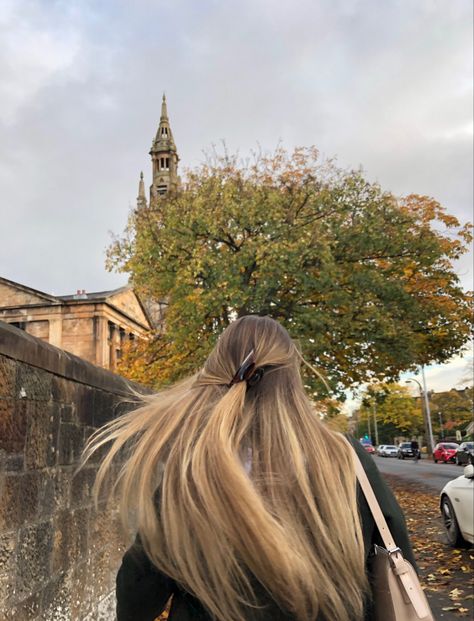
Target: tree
{"x":361,"y":278}
{"x":396,"y":411}
{"x":451,"y":411}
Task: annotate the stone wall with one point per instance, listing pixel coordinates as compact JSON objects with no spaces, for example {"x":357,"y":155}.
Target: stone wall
{"x":58,"y":556}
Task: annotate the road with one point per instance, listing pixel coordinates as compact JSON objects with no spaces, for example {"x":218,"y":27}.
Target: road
{"x":425,"y":471}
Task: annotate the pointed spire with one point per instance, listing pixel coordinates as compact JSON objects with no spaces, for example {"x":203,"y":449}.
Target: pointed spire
{"x":164,"y":110}
{"x":141,"y":199}
{"x":141,"y":187}
{"x":164,"y":157}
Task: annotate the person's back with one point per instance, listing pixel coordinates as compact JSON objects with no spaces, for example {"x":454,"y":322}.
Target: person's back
{"x":246,"y":505}
{"x":415,"y":447}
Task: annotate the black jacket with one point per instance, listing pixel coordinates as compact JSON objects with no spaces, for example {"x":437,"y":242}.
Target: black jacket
{"x":143,"y":591}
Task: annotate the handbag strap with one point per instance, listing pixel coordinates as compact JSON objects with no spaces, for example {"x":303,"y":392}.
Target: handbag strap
{"x":374,"y":506}
{"x":399,"y":565}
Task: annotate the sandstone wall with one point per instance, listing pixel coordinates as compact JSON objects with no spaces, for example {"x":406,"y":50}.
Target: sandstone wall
{"x":58,"y":557}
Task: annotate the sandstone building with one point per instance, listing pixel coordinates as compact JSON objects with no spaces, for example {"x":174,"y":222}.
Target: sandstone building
{"x":94,"y":326}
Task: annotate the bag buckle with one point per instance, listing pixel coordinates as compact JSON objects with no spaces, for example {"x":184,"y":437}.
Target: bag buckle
{"x":395,"y":550}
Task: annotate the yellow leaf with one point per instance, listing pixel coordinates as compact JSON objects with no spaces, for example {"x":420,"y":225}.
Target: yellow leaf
{"x":455,"y":593}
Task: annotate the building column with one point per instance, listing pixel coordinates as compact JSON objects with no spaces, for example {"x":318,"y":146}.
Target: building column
{"x":112,"y":346}
{"x":101,"y":336}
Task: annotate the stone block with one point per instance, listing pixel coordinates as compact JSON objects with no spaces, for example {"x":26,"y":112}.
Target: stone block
{"x":81,"y":486}
{"x":70,"y":539}
{"x":106,"y":608}
{"x":35,"y":545}
{"x":67,"y":413}
{"x":27,"y":609}
{"x":7,"y":567}
{"x":7,"y":378}
{"x":13,"y":423}
{"x":54,"y":491}
{"x":32,"y":382}
{"x":42,"y":434}
{"x":84,"y":404}
{"x":19,"y":499}
{"x":99,"y":573}
{"x":70,"y":443}
{"x":82,"y":596}
{"x":56,"y":598}
{"x":99,"y":529}
{"x":14,"y":463}
{"x":103,"y":407}
{"x":64,"y":390}
{"x":98,"y":456}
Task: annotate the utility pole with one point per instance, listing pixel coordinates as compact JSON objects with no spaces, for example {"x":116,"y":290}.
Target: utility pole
{"x":374,"y":407}
{"x":425,"y":412}
{"x":427,"y":408}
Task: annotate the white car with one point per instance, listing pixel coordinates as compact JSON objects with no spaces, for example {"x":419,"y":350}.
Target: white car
{"x":457,"y":508}
{"x":387,"y":450}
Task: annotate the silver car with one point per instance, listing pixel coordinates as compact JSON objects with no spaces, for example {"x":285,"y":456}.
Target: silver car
{"x":388,"y":450}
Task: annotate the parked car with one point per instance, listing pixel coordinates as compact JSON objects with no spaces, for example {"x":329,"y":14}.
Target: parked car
{"x":445,"y":451}
{"x":405,"y":450}
{"x":465,"y":454}
{"x":457,"y":508}
{"x":387,"y":450}
{"x":368,"y":447}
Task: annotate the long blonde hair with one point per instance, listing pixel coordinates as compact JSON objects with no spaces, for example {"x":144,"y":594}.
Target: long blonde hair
{"x":291,"y":522}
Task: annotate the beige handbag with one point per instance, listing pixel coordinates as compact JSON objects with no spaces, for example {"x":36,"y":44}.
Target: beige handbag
{"x":396,"y":590}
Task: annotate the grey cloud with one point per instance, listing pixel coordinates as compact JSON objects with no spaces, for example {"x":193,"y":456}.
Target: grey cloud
{"x":386,"y":85}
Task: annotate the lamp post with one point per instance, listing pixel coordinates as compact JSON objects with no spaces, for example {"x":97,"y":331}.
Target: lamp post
{"x":441,"y":430}
{"x":376,"y":429}
{"x":427,"y":405}
{"x":425,"y":411}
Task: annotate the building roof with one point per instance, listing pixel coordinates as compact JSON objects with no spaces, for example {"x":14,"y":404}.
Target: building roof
{"x":80,"y":297}
{"x":51,"y":298}
{"x":81,"y":294}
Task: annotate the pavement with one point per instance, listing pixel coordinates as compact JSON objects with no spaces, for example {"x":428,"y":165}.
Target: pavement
{"x":422,"y":481}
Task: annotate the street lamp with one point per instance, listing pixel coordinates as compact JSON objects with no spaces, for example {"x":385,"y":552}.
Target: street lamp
{"x":427,"y":418}
{"x":441,"y":430}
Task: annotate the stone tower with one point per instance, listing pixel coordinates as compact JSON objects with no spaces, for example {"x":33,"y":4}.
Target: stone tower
{"x":164,"y":157}
{"x":141,"y":198}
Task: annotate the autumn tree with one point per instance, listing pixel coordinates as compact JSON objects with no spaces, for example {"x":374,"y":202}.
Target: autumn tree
{"x":394,"y":410}
{"x":363,"y":279}
{"x":451,"y":411}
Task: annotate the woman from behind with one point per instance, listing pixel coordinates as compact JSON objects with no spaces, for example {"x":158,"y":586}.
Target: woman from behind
{"x":245,"y":504}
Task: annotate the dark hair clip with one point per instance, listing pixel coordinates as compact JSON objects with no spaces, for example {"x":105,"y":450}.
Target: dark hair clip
{"x":247,"y":372}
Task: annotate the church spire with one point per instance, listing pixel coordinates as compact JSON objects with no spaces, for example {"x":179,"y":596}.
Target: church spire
{"x":164,"y":109}
{"x":141,"y":199}
{"x":164,"y":157}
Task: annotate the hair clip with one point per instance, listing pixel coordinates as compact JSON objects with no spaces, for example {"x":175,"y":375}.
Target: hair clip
{"x":247,"y":372}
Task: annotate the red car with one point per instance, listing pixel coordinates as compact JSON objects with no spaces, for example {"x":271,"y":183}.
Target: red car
{"x":445,"y":451}
{"x":368,"y":447}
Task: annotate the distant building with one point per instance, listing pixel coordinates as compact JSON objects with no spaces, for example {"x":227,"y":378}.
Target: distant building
{"x":164,"y":158}
{"x":94,"y":326}
{"x":165,"y":181}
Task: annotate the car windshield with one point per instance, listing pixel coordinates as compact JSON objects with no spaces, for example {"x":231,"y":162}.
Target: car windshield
{"x":405,"y":445}
{"x":469,"y":445}
{"x":391,"y":446}
{"x":451,"y":445}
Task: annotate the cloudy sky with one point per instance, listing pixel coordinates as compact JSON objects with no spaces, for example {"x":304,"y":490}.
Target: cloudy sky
{"x":386,"y":85}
